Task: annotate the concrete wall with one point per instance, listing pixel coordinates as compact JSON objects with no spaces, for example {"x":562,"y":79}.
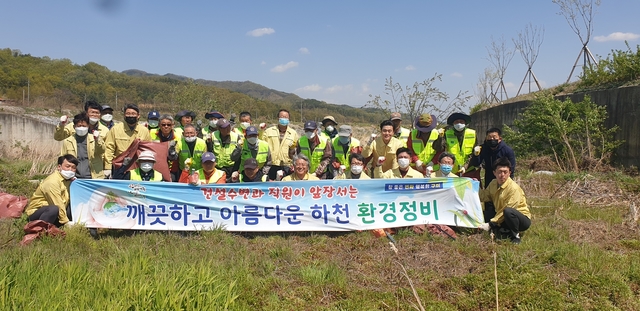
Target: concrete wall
{"x":623,"y":109}
{"x":27,"y":131}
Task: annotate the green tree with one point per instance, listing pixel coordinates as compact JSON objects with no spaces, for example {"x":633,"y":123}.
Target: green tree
{"x":573,"y":134}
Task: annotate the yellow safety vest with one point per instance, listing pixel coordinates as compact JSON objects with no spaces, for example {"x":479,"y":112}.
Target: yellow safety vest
{"x":214,"y":178}
{"x":198,"y":150}
{"x":403,"y":135}
{"x":136,"y":175}
{"x":316,"y":156}
{"x":460,"y":152}
{"x":261,"y":156}
{"x":156,"y":137}
{"x":425,"y":152}
{"x":341,"y":156}
{"x":223,"y":154}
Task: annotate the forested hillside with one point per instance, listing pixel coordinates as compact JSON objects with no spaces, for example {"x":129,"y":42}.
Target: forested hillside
{"x":61,"y":84}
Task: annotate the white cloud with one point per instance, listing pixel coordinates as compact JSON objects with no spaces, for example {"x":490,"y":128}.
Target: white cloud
{"x":260,"y":32}
{"x":263,"y":63}
{"x":456,"y":75}
{"x":364,"y":88}
{"x":617,"y":36}
{"x":338,"y":88}
{"x":309,"y":88}
{"x":304,"y":51}
{"x":410,"y":68}
{"x":285,"y":67}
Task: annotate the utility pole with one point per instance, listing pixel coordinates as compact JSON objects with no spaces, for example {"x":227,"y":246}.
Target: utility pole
{"x":28,"y":92}
{"x":116,"y":101}
{"x":22,"y":97}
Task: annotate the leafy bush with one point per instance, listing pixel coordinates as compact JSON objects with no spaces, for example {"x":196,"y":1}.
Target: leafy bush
{"x":616,"y":70}
{"x":573,"y":134}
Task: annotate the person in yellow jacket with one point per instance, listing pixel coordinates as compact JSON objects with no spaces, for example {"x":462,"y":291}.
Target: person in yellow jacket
{"x":404,"y":170}
{"x":460,"y":140}
{"x":447,"y":161}
{"x":88,"y":149}
{"x":144,"y":171}
{"x":383,"y":148}
{"x":50,"y":201}
{"x":122,"y":135}
{"x":282,"y":140}
{"x":190,"y":148}
{"x":301,"y":165}
{"x":512,"y":212}
{"x":66,"y":129}
{"x":208,"y":174}
{"x":355,"y":170}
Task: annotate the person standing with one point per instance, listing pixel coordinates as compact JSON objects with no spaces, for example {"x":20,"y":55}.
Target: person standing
{"x":64,"y":130}
{"x":207,"y":132}
{"x":511,"y":210}
{"x":491,"y":150}
{"x":106,"y":116}
{"x":153,"y":119}
{"x":383,"y":148}
{"x":88,"y":149}
{"x":166,"y":133}
{"x":343,"y":146}
{"x":421,"y":143}
{"x":254,"y":148}
{"x":50,"y":201}
{"x":399,"y":132}
{"x":190,"y":148}
{"x":183,"y":117}
{"x":330,"y":128}
{"x":316,"y":148}
{"x":227,"y":146}
{"x":122,"y":135}
{"x":460,"y":140}
{"x":282,"y":140}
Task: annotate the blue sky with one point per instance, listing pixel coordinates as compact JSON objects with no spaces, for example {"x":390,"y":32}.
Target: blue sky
{"x":336,"y":51}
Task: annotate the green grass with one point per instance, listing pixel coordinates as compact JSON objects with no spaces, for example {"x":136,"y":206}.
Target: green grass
{"x":574,"y":257}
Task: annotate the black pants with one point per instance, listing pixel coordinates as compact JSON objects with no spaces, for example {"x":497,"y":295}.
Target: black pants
{"x":515,"y":221}
{"x":274,"y":170}
{"x":228,"y":170}
{"x":49,"y":214}
{"x":489,"y":211}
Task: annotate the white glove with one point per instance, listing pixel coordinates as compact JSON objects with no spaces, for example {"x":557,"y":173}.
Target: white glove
{"x":107,"y":174}
{"x":187,"y":163}
{"x":96,"y":134}
{"x":279,"y":175}
{"x":462,"y":170}
{"x":63,"y":120}
{"x":373,"y":137}
{"x":476,"y":150}
{"x":418,"y":164}
{"x":441,"y":132}
{"x":341,"y":170}
{"x":380,"y":160}
{"x":429,"y":170}
{"x":208,"y":137}
{"x":235,"y":176}
{"x":485,"y":226}
{"x":263,"y":126}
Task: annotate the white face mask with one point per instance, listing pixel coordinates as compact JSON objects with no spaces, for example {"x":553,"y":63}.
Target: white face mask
{"x":252,"y":140}
{"x":459,"y":126}
{"x":310,"y":135}
{"x":93,"y":120}
{"x":356,"y":169}
{"x":107,"y":117}
{"x":67,"y":174}
{"x":213,"y":123}
{"x":146,"y":167}
{"x":82,"y":131}
{"x":330,"y":128}
{"x":245,"y":125}
{"x":190,"y":139}
{"x":404,"y":162}
{"x":153,"y":123}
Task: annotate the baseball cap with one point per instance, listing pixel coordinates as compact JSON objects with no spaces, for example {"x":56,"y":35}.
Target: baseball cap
{"x":223,"y":123}
{"x":344,"y":130}
{"x":153,"y":115}
{"x":213,"y":114}
{"x":106,"y":107}
{"x":208,"y":156}
{"x":309,"y":125}
{"x":250,"y":163}
{"x":395,"y":116}
{"x":251,"y":130}
{"x":147,"y":156}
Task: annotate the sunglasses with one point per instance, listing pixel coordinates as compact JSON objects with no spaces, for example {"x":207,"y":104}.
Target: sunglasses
{"x":165,"y":124}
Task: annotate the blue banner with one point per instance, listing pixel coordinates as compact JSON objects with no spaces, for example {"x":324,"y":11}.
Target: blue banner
{"x":326,"y":205}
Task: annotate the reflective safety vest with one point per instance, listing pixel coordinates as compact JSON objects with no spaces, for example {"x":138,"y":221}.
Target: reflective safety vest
{"x":223,"y":154}
{"x":155,"y":137}
{"x":316,"y":156}
{"x":214,"y":178}
{"x":205,"y":130}
{"x":341,"y":156}
{"x":136,"y":175}
{"x":463,"y":152}
{"x":198,"y":150}
{"x":424,"y":152}
{"x":261,"y":156}
{"x":403,"y":135}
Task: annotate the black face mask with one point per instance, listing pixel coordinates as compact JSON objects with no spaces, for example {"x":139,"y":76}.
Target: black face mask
{"x":131,"y":120}
{"x":493,"y":143}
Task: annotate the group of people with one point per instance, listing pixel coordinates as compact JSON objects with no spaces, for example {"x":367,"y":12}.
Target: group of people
{"x":225,"y":151}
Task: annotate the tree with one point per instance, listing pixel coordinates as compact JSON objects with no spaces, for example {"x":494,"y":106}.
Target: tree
{"x":572,"y":133}
{"x":579,"y":14}
{"x":419,"y":98}
{"x":484,"y":88}
{"x":528,"y":43}
{"x":500,"y":56}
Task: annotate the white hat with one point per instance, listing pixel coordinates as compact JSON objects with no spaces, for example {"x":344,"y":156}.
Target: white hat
{"x":147,"y":156}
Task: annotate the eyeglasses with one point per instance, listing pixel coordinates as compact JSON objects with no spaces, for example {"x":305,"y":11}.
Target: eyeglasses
{"x":165,"y":124}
